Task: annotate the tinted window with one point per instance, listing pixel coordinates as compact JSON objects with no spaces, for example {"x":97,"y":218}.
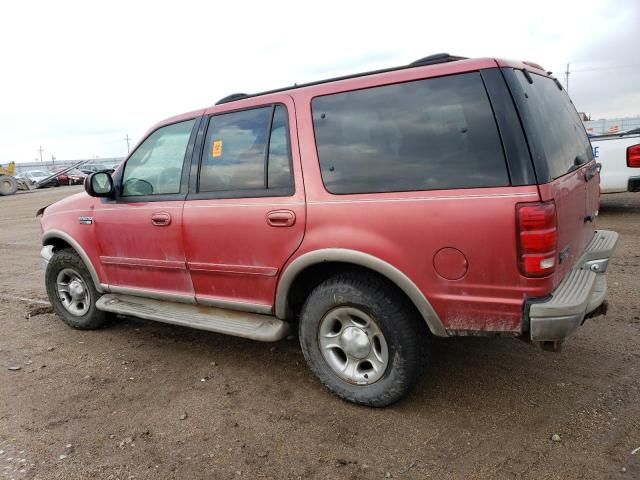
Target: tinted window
{"x":556,"y":124}
{"x":279,"y":156}
{"x":235,"y":156}
{"x":424,"y":135}
{"x":155,"y":168}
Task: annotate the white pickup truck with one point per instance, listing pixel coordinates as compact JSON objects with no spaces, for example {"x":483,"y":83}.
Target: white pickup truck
{"x":619,"y":156}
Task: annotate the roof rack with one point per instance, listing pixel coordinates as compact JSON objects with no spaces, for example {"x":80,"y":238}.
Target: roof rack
{"x":534,"y":65}
{"x":436,"y":58}
{"x":430,"y":60}
{"x":232,"y":97}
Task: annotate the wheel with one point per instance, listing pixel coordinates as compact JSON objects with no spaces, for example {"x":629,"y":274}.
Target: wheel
{"x":71,"y":291}
{"x":362,"y":339}
{"x":8,"y":185}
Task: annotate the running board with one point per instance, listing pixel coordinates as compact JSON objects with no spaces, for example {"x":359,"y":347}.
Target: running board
{"x":264,"y":328}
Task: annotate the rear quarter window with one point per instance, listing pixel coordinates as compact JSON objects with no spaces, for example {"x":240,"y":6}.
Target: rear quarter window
{"x":557,"y":128}
{"x":421,"y":135}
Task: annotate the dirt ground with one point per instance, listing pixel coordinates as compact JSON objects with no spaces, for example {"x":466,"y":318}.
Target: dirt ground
{"x":142,"y":400}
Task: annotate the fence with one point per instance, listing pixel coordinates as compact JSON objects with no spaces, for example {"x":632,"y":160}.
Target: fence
{"x":611,"y":126}
{"x":49,"y":164}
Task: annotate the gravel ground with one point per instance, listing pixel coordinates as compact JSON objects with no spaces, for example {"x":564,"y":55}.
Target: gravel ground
{"x":145,"y":400}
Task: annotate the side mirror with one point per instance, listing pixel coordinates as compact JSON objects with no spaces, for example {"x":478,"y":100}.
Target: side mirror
{"x":99,"y":184}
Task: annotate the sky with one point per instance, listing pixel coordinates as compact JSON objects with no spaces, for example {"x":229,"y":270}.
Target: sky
{"x":77,"y":77}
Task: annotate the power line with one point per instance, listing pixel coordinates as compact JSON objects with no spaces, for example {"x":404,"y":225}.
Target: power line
{"x":602,"y":69}
{"x":568,"y":71}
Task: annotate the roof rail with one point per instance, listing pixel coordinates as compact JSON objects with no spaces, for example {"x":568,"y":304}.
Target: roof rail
{"x":430,"y":60}
{"x":231,"y":98}
{"x":534,"y":65}
{"x":436,"y":58}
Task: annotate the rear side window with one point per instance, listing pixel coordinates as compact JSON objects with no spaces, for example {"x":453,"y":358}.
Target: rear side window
{"x":246,"y":152}
{"x":424,"y":135}
{"x":556,"y":124}
{"x":279,"y":175}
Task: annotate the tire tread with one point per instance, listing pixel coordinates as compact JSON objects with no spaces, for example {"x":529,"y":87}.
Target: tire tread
{"x":94,"y":318}
{"x":398,"y":315}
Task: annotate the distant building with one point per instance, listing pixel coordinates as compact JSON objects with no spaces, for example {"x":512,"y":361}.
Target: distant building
{"x":610,"y":126}
{"x":584,"y":117}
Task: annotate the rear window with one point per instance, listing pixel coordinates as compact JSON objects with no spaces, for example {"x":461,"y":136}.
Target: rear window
{"x":556,"y":124}
{"x":423,"y":135}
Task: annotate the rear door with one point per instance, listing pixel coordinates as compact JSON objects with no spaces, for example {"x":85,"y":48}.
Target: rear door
{"x":563,"y":159}
{"x":245,"y":213}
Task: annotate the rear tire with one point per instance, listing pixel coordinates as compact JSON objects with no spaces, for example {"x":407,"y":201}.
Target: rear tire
{"x":362,"y":339}
{"x":72,"y":293}
{"x":8,"y":185}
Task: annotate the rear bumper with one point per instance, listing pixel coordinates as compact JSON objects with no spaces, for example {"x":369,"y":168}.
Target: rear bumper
{"x":581,"y":294}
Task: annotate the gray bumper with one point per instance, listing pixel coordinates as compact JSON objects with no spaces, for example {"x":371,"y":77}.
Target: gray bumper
{"x":581,"y":292}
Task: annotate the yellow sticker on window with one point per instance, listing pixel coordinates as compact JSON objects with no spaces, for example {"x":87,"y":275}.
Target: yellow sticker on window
{"x":217,"y":148}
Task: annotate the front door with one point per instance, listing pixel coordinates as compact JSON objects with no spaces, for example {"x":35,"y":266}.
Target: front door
{"x":140,"y":231}
{"x":245,"y":214}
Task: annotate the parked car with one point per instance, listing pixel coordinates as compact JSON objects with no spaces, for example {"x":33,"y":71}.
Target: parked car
{"x":35,"y":176}
{"x":619,"y":156}
{"x":71,"y":177}
{"x":447,"y":197}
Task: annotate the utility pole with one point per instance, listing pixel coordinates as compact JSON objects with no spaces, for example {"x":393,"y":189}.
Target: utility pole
{"x":566,"y":76}
{"x":53,"y":159}
{"x":40,"y":150}
{"x":127,"y":140}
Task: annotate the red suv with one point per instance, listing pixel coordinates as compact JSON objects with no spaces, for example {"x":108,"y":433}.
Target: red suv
{"x":447,"y":197}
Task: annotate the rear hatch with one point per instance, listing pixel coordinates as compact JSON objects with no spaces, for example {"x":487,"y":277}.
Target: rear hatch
{"x":563,"y":160}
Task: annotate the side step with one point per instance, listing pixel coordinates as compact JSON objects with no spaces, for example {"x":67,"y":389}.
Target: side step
{"x":264,"y":328}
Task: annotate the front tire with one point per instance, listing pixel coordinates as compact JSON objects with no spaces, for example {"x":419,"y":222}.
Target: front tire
{"x":362,"y":339}
{"x":71,"y":291}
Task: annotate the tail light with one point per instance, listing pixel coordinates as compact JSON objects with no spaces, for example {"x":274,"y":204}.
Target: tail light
{"x":537,"y":238}
{"x":633,"y":156}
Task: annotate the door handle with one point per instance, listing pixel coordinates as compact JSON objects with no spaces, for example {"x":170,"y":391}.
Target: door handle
{"x":161,"y":219}
{"x":281,"y":218}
